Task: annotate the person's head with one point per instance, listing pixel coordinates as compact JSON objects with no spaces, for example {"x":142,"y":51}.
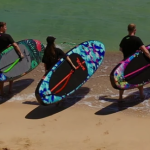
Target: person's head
{"x":50,"y":48}
{"x":50,"y":40}
{"x":132,"y":28}
{"x":3,"y":27}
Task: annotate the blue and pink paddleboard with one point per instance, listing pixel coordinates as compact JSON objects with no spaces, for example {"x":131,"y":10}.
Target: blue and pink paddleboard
{"x":132,"y":72}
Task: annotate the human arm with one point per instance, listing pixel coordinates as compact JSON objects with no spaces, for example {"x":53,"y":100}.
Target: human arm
{"x":16,"y":47}
{"x":44,"y":61}
{"x":145,"y":51}
{"x":63,"y":55}
{"x":143,"y":48}
{"x":69,"y":60}
{"x":121,"y":45}
{"x":120,"y":49}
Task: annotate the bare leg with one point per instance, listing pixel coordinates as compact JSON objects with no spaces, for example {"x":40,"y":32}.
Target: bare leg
{"x":120,"y":94}
{"x":1,"y":88}
{"x":141,"y":92}
{"x":10,"y":86}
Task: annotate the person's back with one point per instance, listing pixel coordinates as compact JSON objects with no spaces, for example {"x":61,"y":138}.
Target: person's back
{"x":51,"y":62}
{"x":130,"y":44}
{"x":53,"y":54}
{"x":5,"y":41}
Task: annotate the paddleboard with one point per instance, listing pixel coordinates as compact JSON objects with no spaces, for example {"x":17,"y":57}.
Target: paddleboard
{"x":12,"y":67}
{"x":132,"y":72}
{"x":62,"y":80}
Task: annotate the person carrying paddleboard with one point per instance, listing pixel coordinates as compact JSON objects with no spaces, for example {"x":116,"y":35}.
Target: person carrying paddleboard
{"x":52,"y":54}
{"x":5,"y":41}
{"x":128,"y":46}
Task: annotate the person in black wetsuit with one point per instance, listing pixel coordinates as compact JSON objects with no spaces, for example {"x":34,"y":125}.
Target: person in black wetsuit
{"x":52,"y":54}
{"x":5,"y":41}
{"x":128,"y":46}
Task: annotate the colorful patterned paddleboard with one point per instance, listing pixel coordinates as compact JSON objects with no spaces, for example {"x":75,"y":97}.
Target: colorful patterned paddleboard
{"x":12,"y":67}
{"x":132,"y":72}
{"x":62,"y":81}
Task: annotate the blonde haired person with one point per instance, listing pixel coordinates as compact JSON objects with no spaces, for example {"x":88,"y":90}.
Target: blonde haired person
{"x":128,"y":46}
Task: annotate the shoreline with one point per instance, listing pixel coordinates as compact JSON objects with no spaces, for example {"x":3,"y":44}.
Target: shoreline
{"x":70,"y":129}
{"x":89,"y":119}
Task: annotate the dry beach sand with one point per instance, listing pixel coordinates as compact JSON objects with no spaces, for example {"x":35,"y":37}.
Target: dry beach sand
{"x":87,"y":120}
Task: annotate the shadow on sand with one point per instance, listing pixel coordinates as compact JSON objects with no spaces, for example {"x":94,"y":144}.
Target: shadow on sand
{"x":129,"y":101}
{"x":18,"y":86}
{"x":45,"y":111}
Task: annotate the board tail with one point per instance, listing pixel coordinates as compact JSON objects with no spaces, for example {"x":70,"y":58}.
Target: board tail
{"x":37,"y":94}
{"x":112,"y":79}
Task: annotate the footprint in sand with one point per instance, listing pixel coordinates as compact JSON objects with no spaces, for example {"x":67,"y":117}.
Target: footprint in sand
{"x":101,"y":148}
{"x":86,"y":140}
{"x":106,"y":132}
{"x":24,"y":142}
{"x":1,"y":142}
{"x":98,"y":124}
{"x":43,"y":125}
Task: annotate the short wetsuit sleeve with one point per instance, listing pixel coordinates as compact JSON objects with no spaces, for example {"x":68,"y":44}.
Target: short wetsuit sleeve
{"x":121,"y":43}
{"x":10,"y":39}
{"x":44,"y":59}
{"x":139,"y":42}
{"x":61,"y":54}
{"x":47,"y":62}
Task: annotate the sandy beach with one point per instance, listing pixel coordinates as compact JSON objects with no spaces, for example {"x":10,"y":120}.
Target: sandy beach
{"x":89,"y":119}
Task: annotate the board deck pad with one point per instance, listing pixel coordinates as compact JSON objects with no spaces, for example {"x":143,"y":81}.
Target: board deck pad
{"x":33,"y":53}
{"x":74,"y":81}
{"x":132,"y":72}
{"x":62,"y":80}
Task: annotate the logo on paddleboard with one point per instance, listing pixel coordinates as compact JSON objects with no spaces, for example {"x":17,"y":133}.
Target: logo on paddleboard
{"x":80,"y":64}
